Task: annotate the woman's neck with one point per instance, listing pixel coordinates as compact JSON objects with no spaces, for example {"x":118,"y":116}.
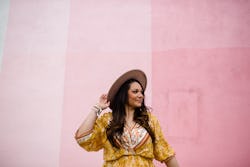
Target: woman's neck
{"x":129,"y":114}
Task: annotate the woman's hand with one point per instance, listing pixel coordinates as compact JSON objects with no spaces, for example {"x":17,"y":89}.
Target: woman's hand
{"x":103,"y":102}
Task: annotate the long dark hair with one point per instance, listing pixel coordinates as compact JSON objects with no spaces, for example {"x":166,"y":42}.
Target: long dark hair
{"x":115,"y":127}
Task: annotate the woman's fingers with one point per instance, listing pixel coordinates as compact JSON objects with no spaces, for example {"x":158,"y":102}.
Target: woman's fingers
{"x":103,"y":101}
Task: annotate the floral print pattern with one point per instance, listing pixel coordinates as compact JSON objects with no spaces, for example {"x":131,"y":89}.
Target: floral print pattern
{"x":137,"y":148}
{"x":132,"y":137}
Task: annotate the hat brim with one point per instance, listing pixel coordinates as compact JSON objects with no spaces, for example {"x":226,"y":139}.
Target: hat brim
{"x":133,"y":74}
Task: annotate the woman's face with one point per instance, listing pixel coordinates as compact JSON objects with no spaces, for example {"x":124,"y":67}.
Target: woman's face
{"x":135,"y":95}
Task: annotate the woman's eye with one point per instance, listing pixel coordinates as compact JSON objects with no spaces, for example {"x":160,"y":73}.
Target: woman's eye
{"x":137,"y":91}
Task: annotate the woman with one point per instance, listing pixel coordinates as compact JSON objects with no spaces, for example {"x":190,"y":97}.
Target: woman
{"x":130,"y":135}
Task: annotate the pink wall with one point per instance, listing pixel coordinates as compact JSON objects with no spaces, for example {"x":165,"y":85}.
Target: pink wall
{"x":200,"y":74}
{"x":57,"y":57}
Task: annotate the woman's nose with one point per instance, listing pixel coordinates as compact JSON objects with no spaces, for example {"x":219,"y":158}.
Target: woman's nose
{"x":141,"y":94}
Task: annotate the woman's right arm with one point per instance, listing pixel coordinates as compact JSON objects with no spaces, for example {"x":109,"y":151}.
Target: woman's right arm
{"x":89,"y":121}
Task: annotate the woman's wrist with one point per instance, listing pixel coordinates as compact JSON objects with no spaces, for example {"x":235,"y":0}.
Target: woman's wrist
{"x":97,"y":109}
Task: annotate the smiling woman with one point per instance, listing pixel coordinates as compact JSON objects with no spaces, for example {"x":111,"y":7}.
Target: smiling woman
{"x":130,"y":135}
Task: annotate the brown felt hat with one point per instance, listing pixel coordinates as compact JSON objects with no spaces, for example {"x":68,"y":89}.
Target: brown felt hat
{"x":132,"y":74}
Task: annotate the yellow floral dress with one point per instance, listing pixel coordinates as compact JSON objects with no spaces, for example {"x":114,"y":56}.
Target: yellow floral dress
{"x":137,"y":148}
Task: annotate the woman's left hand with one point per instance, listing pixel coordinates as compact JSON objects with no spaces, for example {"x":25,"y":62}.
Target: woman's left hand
{"x":172,"y":163}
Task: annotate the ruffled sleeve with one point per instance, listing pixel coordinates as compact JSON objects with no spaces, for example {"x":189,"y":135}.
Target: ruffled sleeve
{"x":162,"y":150}
{"x":94,"y":139}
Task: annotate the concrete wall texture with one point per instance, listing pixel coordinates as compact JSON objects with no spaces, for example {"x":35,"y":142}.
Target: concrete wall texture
{"x":58,"y":56}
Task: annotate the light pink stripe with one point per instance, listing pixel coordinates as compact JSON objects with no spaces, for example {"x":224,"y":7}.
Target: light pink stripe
{"x":31,"y":83}
{"x":105,"y":40}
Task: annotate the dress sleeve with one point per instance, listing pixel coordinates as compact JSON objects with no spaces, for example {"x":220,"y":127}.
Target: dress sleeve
{"x":94,"y":139}
{"x":162,"y":150}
